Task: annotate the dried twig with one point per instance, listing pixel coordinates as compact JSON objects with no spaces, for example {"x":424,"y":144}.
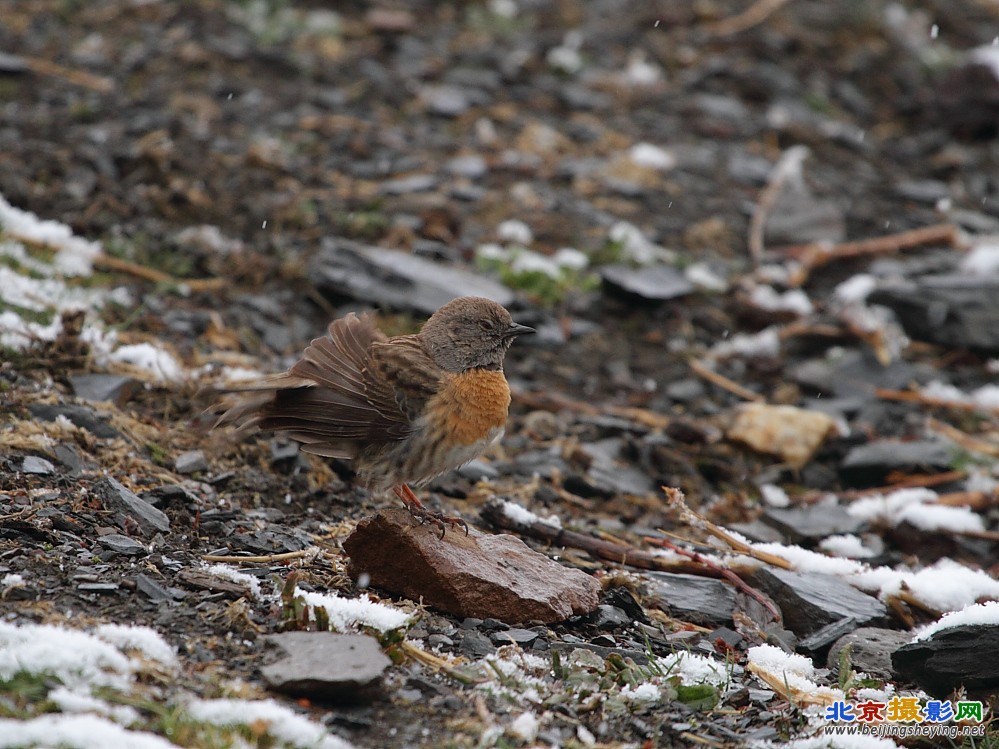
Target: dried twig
{"x":973,"y":500}
{"x":435,"y":662}
{"x":493,"y":514}
{"x":310,"y":553}
{"x":909,"y":482}
{"x":727,"y":574}
{"x":754,"y":15}
{"x":983,"y":535}
{"x":715,"y":378}
{"x":146,"y":273}
{"x":816,"y":254}
{"x":678,"y":503}
{"x":915,"y":396}
{"x":547,"y":400}
{"x":40,"y":66}
{"x":964,"y":440}
{"x":788,"y":167}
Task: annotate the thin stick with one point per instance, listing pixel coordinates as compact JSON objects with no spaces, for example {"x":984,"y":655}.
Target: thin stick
{"x":264,"y":559}
{"x":973,"y":500}
{"x":622,"y":554}
{"x":909,"y":482}
{"x":963,"y":439}
{"x":788,"y":167}
{"x":984,"y":535}
{"x":727,"y":574}
{"x":40,"y":66}
{"x":551,"y":401}
{"x":914,"y":396}
{"x":815,"y":255}
{"x":417,"y":653}
{"x":146,"y":273}
{"x":676,"y":500}
{"x":705,"y":372}
{"x":754,"y":15}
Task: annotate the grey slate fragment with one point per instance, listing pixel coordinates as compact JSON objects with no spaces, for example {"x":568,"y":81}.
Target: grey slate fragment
{"x":609,"y":617}
{"x":692,"y":598}
{"x":799,"y":217}
{"x":117,"y":389}
{"x":811,"y":521}
{"x":37,"y":466}
{"x":966,"y":655}
{"x":396,"y":279}
{"x":856,"y":374}
{"x":326,"y":665}
{"x":155,"y":591}
{"x":565,"y":648}
{"x":952,"y":309}
{"x":121,"y":544}
{"x":192,"y":461}
{"x":517,"y":635}
{"x":811,"y":601}
{"x":657,"y":283}
{"x":820,"y":640}
{"x":81,"y":416}
{"x":867,"y":465}
{"x":127,"y":504}
{"x":476,"y":645}
{"x":870,"y":650}
{"x":606,"y":475}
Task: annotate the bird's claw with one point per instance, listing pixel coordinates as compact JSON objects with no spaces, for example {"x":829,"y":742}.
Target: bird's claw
{"x":439,"y":519}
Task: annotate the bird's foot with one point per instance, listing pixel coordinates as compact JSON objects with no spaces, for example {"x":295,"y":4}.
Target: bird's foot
{"x":419,"y":511}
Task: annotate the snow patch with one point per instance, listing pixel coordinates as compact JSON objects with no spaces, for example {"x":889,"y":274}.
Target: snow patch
{"x":346,"y":614}
{"x":282,"y":723}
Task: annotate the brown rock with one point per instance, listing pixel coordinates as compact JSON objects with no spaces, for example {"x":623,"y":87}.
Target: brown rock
{"x":478,"y":575}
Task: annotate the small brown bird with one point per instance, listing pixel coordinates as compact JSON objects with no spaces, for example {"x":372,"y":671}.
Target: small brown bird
{"x":404,"y":409}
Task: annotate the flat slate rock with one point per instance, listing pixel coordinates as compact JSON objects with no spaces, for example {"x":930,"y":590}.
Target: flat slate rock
{"x":130,"y":508}
{"x":966,"y":656}
{"x":81,"y":416}
{"x":607,"y":475}
{"x":657,"y":283}
{"x":155,"y":591}
{"x":121,"y":544}
{"x":690,"y":598}
{"x":811,"y":521}
{"x":811,"y":601}
{"x":37,"y":466}
{"x":192,"y":461}
{"x":871,"y":650}
{"x":854,"y":374}
{"x":870,"y":464}
{"x":477,"y":575}
{"x":117,"y":389}
{"x":953,"y":310}
{"x":396,"y":279}
{"x":798,"y":217}
{"x":327,"y":666}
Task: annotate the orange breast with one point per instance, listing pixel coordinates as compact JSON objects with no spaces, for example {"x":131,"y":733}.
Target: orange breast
{"x":473,"y":405}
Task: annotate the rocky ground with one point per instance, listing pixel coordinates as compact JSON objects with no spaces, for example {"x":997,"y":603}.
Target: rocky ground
{"x":761,"y":255}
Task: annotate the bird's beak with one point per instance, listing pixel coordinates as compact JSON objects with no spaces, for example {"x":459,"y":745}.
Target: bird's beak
{"x":516,"y":329}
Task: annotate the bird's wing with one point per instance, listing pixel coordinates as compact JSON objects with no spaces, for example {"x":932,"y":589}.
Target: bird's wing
{"x":349,"y":390}
{"x":402,"y":371}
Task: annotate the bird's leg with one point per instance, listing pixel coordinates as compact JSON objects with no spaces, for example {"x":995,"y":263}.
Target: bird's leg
{"x":421,"y":513}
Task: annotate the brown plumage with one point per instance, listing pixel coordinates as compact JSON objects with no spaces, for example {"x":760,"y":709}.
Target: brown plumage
{"x":404,"y":409}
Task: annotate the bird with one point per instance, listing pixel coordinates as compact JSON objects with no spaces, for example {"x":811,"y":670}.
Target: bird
{"x":404,"y":409}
